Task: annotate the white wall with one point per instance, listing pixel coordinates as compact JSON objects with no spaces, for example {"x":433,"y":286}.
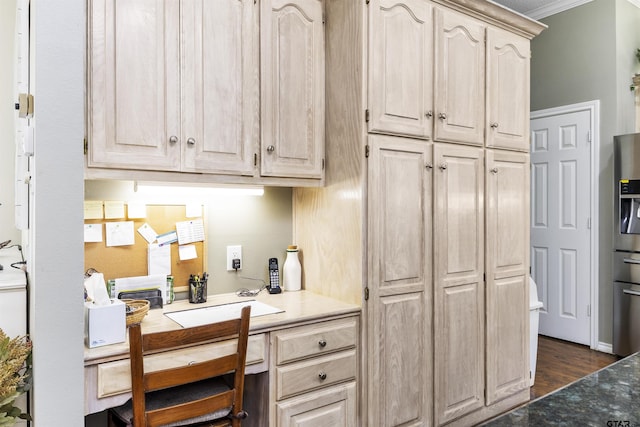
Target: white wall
{"x":7,"y":144}
{"x":55,"y":252}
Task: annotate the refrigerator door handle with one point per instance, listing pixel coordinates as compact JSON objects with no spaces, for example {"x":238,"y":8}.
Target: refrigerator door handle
{"x":633,"y":293}
{"x":631,"y":261}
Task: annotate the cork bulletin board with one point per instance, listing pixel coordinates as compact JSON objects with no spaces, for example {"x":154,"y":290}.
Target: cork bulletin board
{"x":131,"y":260}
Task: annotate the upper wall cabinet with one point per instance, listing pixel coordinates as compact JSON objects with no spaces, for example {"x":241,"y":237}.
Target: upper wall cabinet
{"x":400,"y":74}
{"x":459,"y":78}
{"x":229,"y":91}
{"x":292,"y":63}
{"x":507,"y":90}
{"x":173,"y":85}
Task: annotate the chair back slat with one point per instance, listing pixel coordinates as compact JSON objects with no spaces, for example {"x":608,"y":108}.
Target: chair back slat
{"x":145,"y":382}
{"x":187,"y":374}
{"x":188,"y":410}
{"x":190,"y":336}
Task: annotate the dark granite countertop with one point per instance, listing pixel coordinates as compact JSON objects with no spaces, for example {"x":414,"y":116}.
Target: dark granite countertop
{"x":609,"y":397}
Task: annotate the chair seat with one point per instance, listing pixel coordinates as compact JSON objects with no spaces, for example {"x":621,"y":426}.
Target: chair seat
{"x":176,"y":396}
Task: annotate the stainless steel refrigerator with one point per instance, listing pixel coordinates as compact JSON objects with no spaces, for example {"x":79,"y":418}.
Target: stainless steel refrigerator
{"x":626,"y":245}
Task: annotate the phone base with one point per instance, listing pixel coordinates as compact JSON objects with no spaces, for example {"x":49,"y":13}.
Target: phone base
{"x":274,"y":290}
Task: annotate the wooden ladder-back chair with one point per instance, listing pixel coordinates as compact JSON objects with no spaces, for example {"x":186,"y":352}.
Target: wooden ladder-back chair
{"x":207,"y":393}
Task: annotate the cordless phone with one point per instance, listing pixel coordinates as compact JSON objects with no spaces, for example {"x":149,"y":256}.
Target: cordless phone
{"x":274,"y":277}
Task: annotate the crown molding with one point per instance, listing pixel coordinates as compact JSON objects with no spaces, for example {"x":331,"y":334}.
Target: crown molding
{"x":559,"y":6}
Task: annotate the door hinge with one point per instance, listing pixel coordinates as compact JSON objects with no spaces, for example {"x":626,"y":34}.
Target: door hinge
{"x":366,"y":151}
{"x":588,"y":136}
{"x":484,"y":277}
{"x":25,"y":105}
{"x":589,"y":310}
{"x":588,"y":223}
{"x":255,"y":159}
{"x":85,"y":143}
{"x":366,"y":293}
{"x":366,"y":115}
{"x":322,"y":164}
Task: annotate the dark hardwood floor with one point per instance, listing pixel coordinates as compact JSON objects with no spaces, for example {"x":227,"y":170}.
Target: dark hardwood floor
{"x":560,"y":363}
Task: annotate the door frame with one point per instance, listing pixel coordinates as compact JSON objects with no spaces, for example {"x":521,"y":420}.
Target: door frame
{"x":593,"y":107}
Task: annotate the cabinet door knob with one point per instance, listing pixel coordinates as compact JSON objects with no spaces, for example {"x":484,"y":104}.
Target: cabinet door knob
{"x":322,"y":343}
{"x":429,"y":166}
{"x":443,"y":166}
{"x":494,"y":125}
{"x":191,"y":141}
{"x":322,"y":375}
{"x":271,"y":149}
{"x":442,"y":116}
{"x":429,"y":114}
{"x":173,"y":139}
{"x":494,"y":170}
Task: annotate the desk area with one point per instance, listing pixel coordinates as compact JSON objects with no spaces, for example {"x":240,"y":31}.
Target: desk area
{"x":298,"y":359}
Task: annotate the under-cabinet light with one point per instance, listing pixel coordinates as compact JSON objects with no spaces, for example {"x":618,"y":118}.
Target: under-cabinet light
{"x":195,"y":190}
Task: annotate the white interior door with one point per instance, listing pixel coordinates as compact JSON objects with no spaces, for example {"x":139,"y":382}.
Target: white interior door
{"x":560,"y":223}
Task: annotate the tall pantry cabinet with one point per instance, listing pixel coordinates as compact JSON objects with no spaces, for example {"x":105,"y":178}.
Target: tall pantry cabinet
{"x":423,"y":219}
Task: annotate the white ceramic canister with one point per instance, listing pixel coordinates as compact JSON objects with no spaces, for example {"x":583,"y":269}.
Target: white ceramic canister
{"x":292,"y":270}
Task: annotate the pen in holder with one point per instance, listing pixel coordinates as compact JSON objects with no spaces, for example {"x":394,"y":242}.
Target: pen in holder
{"x":198,"y":288}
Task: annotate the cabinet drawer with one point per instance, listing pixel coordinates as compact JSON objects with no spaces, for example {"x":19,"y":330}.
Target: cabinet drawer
{"x":333,"y":406}
{"x":315,"y":373}
{"x":115,"y":377}
{"x":309,"y":341}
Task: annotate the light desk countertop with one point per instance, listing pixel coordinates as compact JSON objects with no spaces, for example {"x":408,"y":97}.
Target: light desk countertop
{"x":299,"y":308}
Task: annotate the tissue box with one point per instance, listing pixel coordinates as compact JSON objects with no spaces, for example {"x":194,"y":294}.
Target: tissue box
{"x":105,"y":324}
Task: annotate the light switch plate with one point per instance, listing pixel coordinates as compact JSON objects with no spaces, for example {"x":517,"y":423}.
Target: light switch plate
{"x":234,"y":252}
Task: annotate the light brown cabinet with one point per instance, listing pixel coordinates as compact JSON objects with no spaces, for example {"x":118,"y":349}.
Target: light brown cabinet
{"x":459,"y":78}
{"x":507,"y":272}
{"x":400,"y":76}
{"x":434,"y":326}
{"x":314,"y":372}
{"x":172,"y":85}
{"x":458,"y":247}
{"x":292,"y":50}
{"x":399,"y":281}
{"x":229,"y":91}
{"x":507,"y":90}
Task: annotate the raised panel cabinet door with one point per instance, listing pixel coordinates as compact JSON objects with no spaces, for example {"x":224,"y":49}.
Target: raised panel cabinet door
{"x":507,"y":90}
{"x":458,"y":247}
{"x":219,"y":86}
{"x":459,"y":82}
{"x":292,"y":88}
{"x":401,"y":70}
{"x":507,"y":272}
{"x":134,"y":84}
{"x":336,"y":406}
{"x":399,"y":281}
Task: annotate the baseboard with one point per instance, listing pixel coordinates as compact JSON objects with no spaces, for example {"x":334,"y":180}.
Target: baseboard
{"x":604,"y":347}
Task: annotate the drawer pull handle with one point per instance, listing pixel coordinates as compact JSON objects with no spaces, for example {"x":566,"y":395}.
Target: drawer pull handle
{"x":322,"y":376}
{"x":631,"y":261}
{"x":322,"y":343}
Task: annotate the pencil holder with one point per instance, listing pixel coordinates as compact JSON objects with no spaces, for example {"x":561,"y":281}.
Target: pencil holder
{"x":197,"y":290}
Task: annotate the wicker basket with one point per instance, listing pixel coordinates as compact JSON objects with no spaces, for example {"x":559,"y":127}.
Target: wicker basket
{"x":136,"y":310}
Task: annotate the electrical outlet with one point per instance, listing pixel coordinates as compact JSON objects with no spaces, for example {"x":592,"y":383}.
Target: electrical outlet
{"x":234,"y":252}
